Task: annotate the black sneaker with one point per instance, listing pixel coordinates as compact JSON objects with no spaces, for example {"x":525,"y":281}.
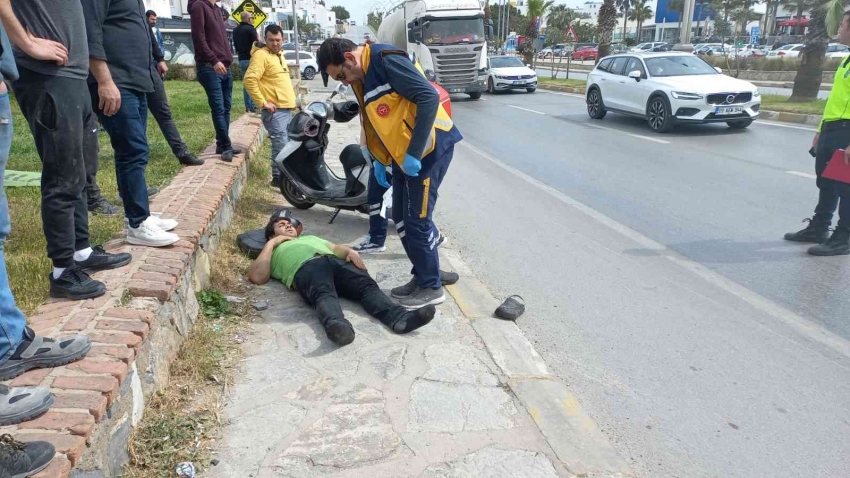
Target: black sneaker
{"x":837,"y":245}
{"x":104,"y":208}
{"x":402,"y":291}
{"x":414,"y":319}
{"x":20,"y":460}
{"x":814,"y":232}
{"x":75,"y":284}
{"x":423,"y":297}
{"x":189,"y":159}
{"x":42,"y":352}
{"x":236,"y":150}
{"x":101,"y":260}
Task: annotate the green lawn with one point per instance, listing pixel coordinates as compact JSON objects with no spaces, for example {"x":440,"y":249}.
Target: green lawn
{"x":544,"y":81}
{"x":781,"y":103}
{"x":25,"y":249}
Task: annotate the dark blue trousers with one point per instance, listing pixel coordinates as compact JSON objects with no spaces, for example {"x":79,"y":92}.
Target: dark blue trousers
{"x":413,"y":207}
{"x":377,"y":224}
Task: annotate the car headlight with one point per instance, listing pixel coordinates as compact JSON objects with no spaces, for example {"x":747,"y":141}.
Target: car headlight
{"x":756,"y":93}
{"x":500,"y":77}
{"x":482,"y":77}
{"x":681,"y":95}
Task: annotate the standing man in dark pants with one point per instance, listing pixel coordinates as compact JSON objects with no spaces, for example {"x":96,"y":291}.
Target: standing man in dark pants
{"x":213,"y":57}
{"x":119,"y":41}
{"x":54,"y":99}
{"x":408,"y":130}
{"x":833,"y":134}
{"x":244,"y":37}
{"x":157,"y":35}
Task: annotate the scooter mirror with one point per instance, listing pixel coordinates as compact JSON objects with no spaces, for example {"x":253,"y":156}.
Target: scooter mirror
{"x":340,"y":89}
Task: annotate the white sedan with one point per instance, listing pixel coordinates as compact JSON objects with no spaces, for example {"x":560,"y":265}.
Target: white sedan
{"x":787,"y":51}
{"x":670,"y":88}
{"x":509,"y":73}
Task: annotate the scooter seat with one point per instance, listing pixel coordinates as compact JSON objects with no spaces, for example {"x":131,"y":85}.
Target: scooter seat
{"x":352,"y":159}
{"x":252,"y":242}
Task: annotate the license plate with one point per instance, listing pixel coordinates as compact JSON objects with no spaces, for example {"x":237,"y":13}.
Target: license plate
{"x":728,"y":110}
{"x":520,"y":82}
{"x":456,"y":90}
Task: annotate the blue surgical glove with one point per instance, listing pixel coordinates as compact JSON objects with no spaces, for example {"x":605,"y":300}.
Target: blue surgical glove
{"x":381,"y":174}
{"x":366,"y":154}
{"x":411,"y":166}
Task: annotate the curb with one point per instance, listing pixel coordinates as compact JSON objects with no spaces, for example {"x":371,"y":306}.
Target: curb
{"x":796,"y":118}
{"x":100,"y":399}
{"x":780,"y":116}
{"x":571,"y":433}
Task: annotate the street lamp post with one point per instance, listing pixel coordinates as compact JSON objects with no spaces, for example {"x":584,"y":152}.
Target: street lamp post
{"x":687,"y":21}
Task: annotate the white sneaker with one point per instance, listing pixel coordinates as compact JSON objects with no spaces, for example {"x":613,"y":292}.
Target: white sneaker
{"x":150,"y":234}
{"x":164,"y":224}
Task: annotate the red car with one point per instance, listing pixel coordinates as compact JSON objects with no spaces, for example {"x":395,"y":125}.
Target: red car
{"x":586,"y":53}
{"x":445,"y":99}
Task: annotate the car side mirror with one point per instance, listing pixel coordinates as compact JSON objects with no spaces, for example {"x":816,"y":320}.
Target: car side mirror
{"x":719,"y":70}
{"x":636,"y":75}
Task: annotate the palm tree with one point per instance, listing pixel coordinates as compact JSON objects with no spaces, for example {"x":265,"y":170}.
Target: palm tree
{"x":536,"y":9}
{"x":625,"y":6}
{"x":827,"y":16}
{"x":605,"y":23}
{"x":801,"y":6}
{"x":641,"y":13}
{"x":557,"y":22}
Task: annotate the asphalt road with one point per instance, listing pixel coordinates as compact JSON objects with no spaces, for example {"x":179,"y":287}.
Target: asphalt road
{"x":657,"y":282}
{"x":545,"y":72}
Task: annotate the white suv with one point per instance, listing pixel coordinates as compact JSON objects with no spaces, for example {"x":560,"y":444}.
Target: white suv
{"x":669,"y":88}
{"x":309,"y":67}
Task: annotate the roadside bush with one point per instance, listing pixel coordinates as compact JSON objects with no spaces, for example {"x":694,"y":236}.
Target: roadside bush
{"x":187,"y":73}
{"x":766,"y":64}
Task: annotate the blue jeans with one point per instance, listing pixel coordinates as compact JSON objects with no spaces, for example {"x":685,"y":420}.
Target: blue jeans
{"x":128,"y":134}
{"x":249,"y":103}
{"x":276,"y":123}
{"x":219,"y":90}
{"x":12,"y":320}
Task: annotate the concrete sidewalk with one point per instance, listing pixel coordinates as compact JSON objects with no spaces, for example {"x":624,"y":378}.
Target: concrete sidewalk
{"x":466,"y":395}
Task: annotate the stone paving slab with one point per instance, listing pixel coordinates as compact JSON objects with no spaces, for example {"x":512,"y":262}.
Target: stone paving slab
{"x":438,"y":402}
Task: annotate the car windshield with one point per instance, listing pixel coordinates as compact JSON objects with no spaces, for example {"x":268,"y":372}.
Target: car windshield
{"x":680,"y":65}
{"x":505,"y":62}
{"x":454,"y":30}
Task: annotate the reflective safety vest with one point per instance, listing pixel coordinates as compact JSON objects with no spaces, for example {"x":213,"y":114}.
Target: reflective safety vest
{"x":389,"y":117}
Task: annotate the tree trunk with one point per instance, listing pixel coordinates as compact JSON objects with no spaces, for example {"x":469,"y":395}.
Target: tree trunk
{"x":799,"y":28}
{"x":606,"y":21}
{"x":625,"y":23}
{"x":810,"y":73}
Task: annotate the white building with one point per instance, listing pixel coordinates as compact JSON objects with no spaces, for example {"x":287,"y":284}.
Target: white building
{"x":591,"y":9}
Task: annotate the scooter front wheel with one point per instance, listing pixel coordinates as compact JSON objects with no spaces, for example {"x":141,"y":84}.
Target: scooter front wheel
{"x":293,"y":195}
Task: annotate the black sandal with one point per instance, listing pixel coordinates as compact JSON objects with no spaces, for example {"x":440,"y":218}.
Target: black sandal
{"x":511,"y":308}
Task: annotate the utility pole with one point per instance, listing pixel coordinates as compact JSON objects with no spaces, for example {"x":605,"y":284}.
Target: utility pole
{"x":507,"y":21}
{"x":295,"y":33}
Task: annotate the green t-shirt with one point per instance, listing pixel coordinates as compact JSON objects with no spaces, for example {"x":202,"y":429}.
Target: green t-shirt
{"x":288,"y":257}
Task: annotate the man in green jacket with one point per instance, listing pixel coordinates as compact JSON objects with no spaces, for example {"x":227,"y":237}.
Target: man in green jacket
{"x":319,"y":270}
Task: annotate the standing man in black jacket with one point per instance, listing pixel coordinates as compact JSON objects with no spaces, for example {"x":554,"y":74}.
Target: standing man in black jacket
{"x":244,"y":37}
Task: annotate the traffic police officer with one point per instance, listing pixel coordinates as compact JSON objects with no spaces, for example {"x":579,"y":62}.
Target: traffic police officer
{"x":408,"y":131}
{"x":833,"y":134}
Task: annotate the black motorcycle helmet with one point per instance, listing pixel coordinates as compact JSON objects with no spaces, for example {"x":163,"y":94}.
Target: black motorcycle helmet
{"x":282,"y":213}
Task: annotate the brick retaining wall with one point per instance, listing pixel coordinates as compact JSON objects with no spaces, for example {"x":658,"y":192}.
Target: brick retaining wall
{"x":100,"y":398}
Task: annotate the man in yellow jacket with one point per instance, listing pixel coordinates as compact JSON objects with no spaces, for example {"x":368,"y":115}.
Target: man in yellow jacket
{"x":267,"y":82}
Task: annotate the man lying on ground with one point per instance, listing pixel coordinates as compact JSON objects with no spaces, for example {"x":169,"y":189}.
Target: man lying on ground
{"x":319,"y":270}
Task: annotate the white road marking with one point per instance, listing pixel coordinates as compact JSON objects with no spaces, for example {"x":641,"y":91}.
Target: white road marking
{"x":799,"y":324}
{"x":618,"y":131}
{"x":526,"y":109}
{"x":783,"y":125}
{"x":802,"y":175}
{"x":559,"y":93}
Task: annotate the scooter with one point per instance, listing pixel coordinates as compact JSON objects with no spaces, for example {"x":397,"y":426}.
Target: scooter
{"x":305,"y":178}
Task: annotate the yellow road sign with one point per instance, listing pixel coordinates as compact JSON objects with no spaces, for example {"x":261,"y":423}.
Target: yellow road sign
{"x":251,"y":7}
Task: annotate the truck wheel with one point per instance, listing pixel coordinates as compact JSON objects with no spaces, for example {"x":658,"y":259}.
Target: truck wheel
{"x":475,"y":95}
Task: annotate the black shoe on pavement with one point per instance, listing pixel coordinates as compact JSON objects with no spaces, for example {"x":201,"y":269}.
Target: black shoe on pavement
{"x":815,"y":232}
{"x":837,"y":245}
{"x":42,"y":352}
{"x":22,"y":404}
{"x":414,"y":319}
{"x":104,"y":208}
{"x":75,"y":284}
{"x":189,"y":159}
{"x":236,"y":150}
{"x":19,"y":460}
{"x":101,"y":260}
{"x":340,"y":331}
{"x":402,"y":291}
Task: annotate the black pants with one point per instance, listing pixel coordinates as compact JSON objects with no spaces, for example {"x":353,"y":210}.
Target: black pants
{"x":321,"y":279}
{"x":64,"y":127}
{"x":158,"y":106}
{"x":833,"y":194}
